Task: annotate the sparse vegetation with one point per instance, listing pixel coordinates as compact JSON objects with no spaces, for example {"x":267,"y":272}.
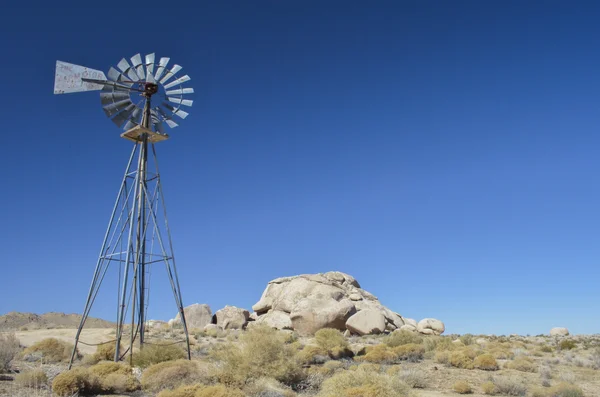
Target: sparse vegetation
{"x":172,"y":374}
{"x":567,"y":344}
{"x":399,"y":338}
{"x":486,"y":362}
{"x":560,"y":390}
{"x":77,"y":380}
{"x":523,"y":364}
{"x":459,"y":359}
{"x":333,"y":343}
{"x":506,"y":387}
{"x":362,"y":382}
{"x":9,"y":348}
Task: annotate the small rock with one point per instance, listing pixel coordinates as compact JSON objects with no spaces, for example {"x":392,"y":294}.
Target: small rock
{"x":366,"y":322}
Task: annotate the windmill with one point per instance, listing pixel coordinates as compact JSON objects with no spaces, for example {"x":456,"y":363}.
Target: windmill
{"x":141,"y":97}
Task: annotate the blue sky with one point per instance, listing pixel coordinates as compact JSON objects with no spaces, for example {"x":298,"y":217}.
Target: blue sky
{"x":443,"y":153}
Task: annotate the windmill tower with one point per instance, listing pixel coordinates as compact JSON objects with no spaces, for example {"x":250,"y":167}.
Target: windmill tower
{"x":141,"y":97}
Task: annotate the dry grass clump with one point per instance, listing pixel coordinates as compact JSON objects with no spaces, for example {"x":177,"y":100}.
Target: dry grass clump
{"x":402,"y":337}
{"x":363,"y":383}
{"x":567,"y":344}
{"x":104,"y":352}
{"x":154,"y":354}
{"x":115,"y":377}
{"x":219,"y":391}
{"x":77,"y":380}
{"x":172,"y":374}
{"x":486,"y":362}
{"x":181,"y":391}
{"x":561,"y":390}
{"x":333,"y":343}
{"x":327,"y":369}
{"x":34,"y":379}
{"x":265,"y":387}
{"x":523,"y":364}
{"x":442,"y":357}
{"x":260,"y":352}
{"x":51,"y":349}
{"x":460,"y":359}
{"x":9,"y":348}
{"x":413,"y":377}
{"x":380,"y":354}
{"x":109,"y":367}
{"x":312,"y":354}
{"x":504,"y":387}
{"x":462,"y":387}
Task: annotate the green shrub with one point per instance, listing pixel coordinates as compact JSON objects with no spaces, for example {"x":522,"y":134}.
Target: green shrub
{"x":523,"y":364}
{"x":172,"y":374}
{"x":567,"y":344}
{"x":77,"y":380}
{"x":109,"y":367}
{"x":402,"y":337}
{"x":311,"y":354}
{"x":9,"y":348}
{"x":181,"y":391}
{"x":361,"y":383}
{"x":411,"y":352}
{"x":486,"y":362}
{"x":380,"y":354}
{"x":52,"y":350}
{"x":546,"y":349}
{"x":467,"y":339}
{"x":154,"y":354}
{"x":35,"y":378}
{"x":219,"y":391}
{"x":333,"y":343}
{"x":462,"y":387}
{"x":260,"y":352}
{"x":459,"y":359}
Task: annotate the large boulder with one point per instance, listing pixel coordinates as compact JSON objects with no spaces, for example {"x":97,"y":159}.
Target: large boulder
{"x":431,"y":326}
{"x":313,"y":314}
{"x":559,"y":331}
{"x":366,"y":322}
{"x":231,"y":317}
{"x":275,"y":319}
{"x":196,"y":316}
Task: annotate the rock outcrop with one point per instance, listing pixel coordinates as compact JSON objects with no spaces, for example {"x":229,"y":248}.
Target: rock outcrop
{"x":196,"y":316}
{"x":326,"y":300}
{"x":559,"y":331}
{"x":431,"y":326}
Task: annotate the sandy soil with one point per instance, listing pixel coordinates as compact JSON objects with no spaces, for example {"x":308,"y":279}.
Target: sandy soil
{"x":91,"y":336}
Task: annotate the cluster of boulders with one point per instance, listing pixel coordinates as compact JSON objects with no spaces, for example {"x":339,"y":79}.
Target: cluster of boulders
{"x":308,"y":303}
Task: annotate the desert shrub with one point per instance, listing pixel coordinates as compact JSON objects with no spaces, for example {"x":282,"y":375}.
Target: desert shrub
{"x":462,"y":387}
{"x":546,"y":349}
{"x":104,"y":352}
{"x":333,"y":343}
{"x":172,"y":374}
{"x":361,"y":383}
{"x":403,"y":337}
{"x":560,"y":390}
{"x":467,"y":339}
{"x":523,"y":364}
{"x":35,"y":378}
{"x":411,"y":376}
{"x":567,"y":344}
{"x":442,"y":357}
{"x":488,"y":388}
{"x":266,"y":387}
{"x":77,"y":380}
{"x":312,"y":354}
{"x":154,"y":354}
{"x":218,"y":391}
{"x":486,"y":362}
{"x":509,"y":387}
{"x":115,"y":377}
{"x":260,"y":352}
{"x":9,"y":347}
{"x":380,"y":354}
{"x":438,"y":344}
{"x":328,"y":368}
{"x":51,"y":349}
{"x":181,"y":391}
{"x":595,"y":358}
{"x":411,"y":352}
{"x":459,"y":359}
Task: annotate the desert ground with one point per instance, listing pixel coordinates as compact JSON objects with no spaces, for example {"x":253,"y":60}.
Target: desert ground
{"x":263,"y":362}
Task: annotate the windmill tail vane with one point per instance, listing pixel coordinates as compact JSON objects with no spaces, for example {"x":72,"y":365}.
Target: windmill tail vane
{"x":142,"y":97}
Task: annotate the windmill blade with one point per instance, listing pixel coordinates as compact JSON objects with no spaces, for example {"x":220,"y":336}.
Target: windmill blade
{"x":175,"y":111}
{"x":113,"y":74}
{"x":176,"y":68}
{"x":162,"y":64}
{"x":166,"y":119}
{"x":150,"y":68}
{"x":123,"y":65}
{"x":155,"y":119}
{"x":68,"y":78}
{"x":136,"y":61}
{"x":116,"y":107}
{"x":108,"y":97}
{"x":178,"y":81}
{"x":186,"y":102}
{"x":123,"y":116}
{"x":180,"y":91}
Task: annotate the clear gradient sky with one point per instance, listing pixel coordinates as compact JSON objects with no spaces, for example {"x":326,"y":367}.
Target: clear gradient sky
{"x":445,"y":153}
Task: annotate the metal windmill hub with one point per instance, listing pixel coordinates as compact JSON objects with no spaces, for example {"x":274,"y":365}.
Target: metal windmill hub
{"x":150,"y":89}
